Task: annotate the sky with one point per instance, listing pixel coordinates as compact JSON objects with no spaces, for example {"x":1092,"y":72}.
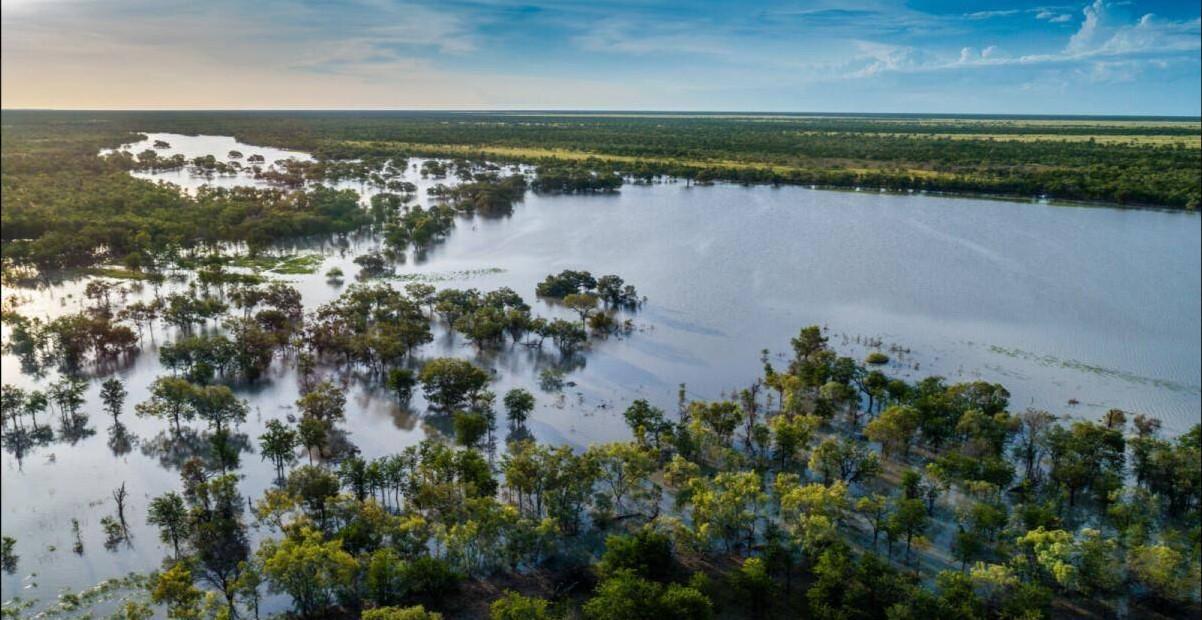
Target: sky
{"x":934,"y":56}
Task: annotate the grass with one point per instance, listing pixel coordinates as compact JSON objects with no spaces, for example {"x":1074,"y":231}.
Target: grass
{"x":535,"y":153}
{"x":929,"y":120}
{"x":119,"y":273}
{"x":1107,"y":139}
{"x":295,"y":264}
{"x":1093,"y":369}
{"x":446,"y":276}
{"x":256,"y":263}
{"x":301,"y":264}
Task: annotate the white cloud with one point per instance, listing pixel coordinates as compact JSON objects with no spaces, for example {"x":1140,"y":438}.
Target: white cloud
{"x":222,"y":54}
{"x":1105,"y":48}
{"x":1052,"y":17}
{"x":1103,"y":34}
{"x":991,"y":14}
{"x":875,"y":58}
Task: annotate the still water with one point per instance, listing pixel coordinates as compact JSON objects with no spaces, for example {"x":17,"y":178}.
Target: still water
{"x":1098,"y":305}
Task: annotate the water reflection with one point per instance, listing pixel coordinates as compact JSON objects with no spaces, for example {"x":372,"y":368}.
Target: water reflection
{"x":121,"y":441}
{"x":220,"y":451}
{"x":20,"y":441}
{"x":73,"y":428}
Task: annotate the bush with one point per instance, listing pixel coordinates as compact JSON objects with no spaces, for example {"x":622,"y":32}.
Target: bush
{"x":647,"y":554}
{"x":625,"y":596}
{"x":568,"y":282}
{"x":430,"y":578}
{"x":514,"y":606}
{"x":400,"y":613}
{"x":876,"y":358}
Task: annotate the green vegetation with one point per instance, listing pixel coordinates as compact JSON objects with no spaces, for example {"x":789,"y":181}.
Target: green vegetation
{"x":63,"y":206}
{"x":876,"y":358}
{"x":770,"y":505}
{"x":1115,"y":160}
{"x":824,"y":488}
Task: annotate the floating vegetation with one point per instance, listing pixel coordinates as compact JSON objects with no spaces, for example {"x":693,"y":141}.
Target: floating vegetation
{"x":1053,"y":361}
{"x":288,"y":264}
{"x":84,"y":602}
{"x":551,"y":380}
{"x":8,"y":557}
{"x":303,"y":264}
{"x":122,"y":274}
{"x":212,"y":275}
{"x":13,"y":607}
{"x":446,"y":276}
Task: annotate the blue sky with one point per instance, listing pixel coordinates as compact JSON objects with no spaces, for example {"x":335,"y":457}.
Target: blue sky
{"x":1098,"y":57}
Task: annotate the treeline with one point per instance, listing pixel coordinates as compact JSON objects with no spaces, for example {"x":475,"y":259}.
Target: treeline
{"x":904,"y":153}
{"x":890,"y":152}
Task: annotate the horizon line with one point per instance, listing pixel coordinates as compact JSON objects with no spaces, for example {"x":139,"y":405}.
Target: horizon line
{"x":587,"y":111}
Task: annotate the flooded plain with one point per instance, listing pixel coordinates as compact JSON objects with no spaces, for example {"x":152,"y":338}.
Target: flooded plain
{"x":1095,"y":305}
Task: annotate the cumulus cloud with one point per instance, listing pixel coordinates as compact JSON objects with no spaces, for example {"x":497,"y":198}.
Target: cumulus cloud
{"x":1102,"y":33}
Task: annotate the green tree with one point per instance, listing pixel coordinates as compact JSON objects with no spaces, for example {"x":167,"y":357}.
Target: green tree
{"x":112,"y":394}
{"x":514,"y":606}
{"x":646,"y":422}
{"x":623,"y":470}
{"x":582,"y":304}
{"x":894,"y":429}
{"x":314,"y":486}
{"x":470,"y":427}
{"x":325,"y":402}
{"x":875,"y":508}
{"x":518,"y":405}
{"x":170,"y":398}
{"x":1163,"y":572}
{"x":625,"y":596}
{"x":401,"y":381}
{"x":813,"y":511}
{"x":218,"y":406}
{"x":400,"y":613}
{"x":279,"y":444}
{"x":1087,"y":456}
{"x":313,"y":433}
{"x":720,"y":418}
{"x":450,"y":382}
{"x":174,"y":588}
{"x":169,"y":513}
{"x":754,"y":586}
{"x":845,"y":460}
{"x":646,"y":553}
{"x":791,"y":436}
{"x":910,"y":519}
{"x":309,"y":570}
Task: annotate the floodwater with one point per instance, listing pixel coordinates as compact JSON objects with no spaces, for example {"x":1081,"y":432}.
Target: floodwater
{"x":1097,"y":305}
